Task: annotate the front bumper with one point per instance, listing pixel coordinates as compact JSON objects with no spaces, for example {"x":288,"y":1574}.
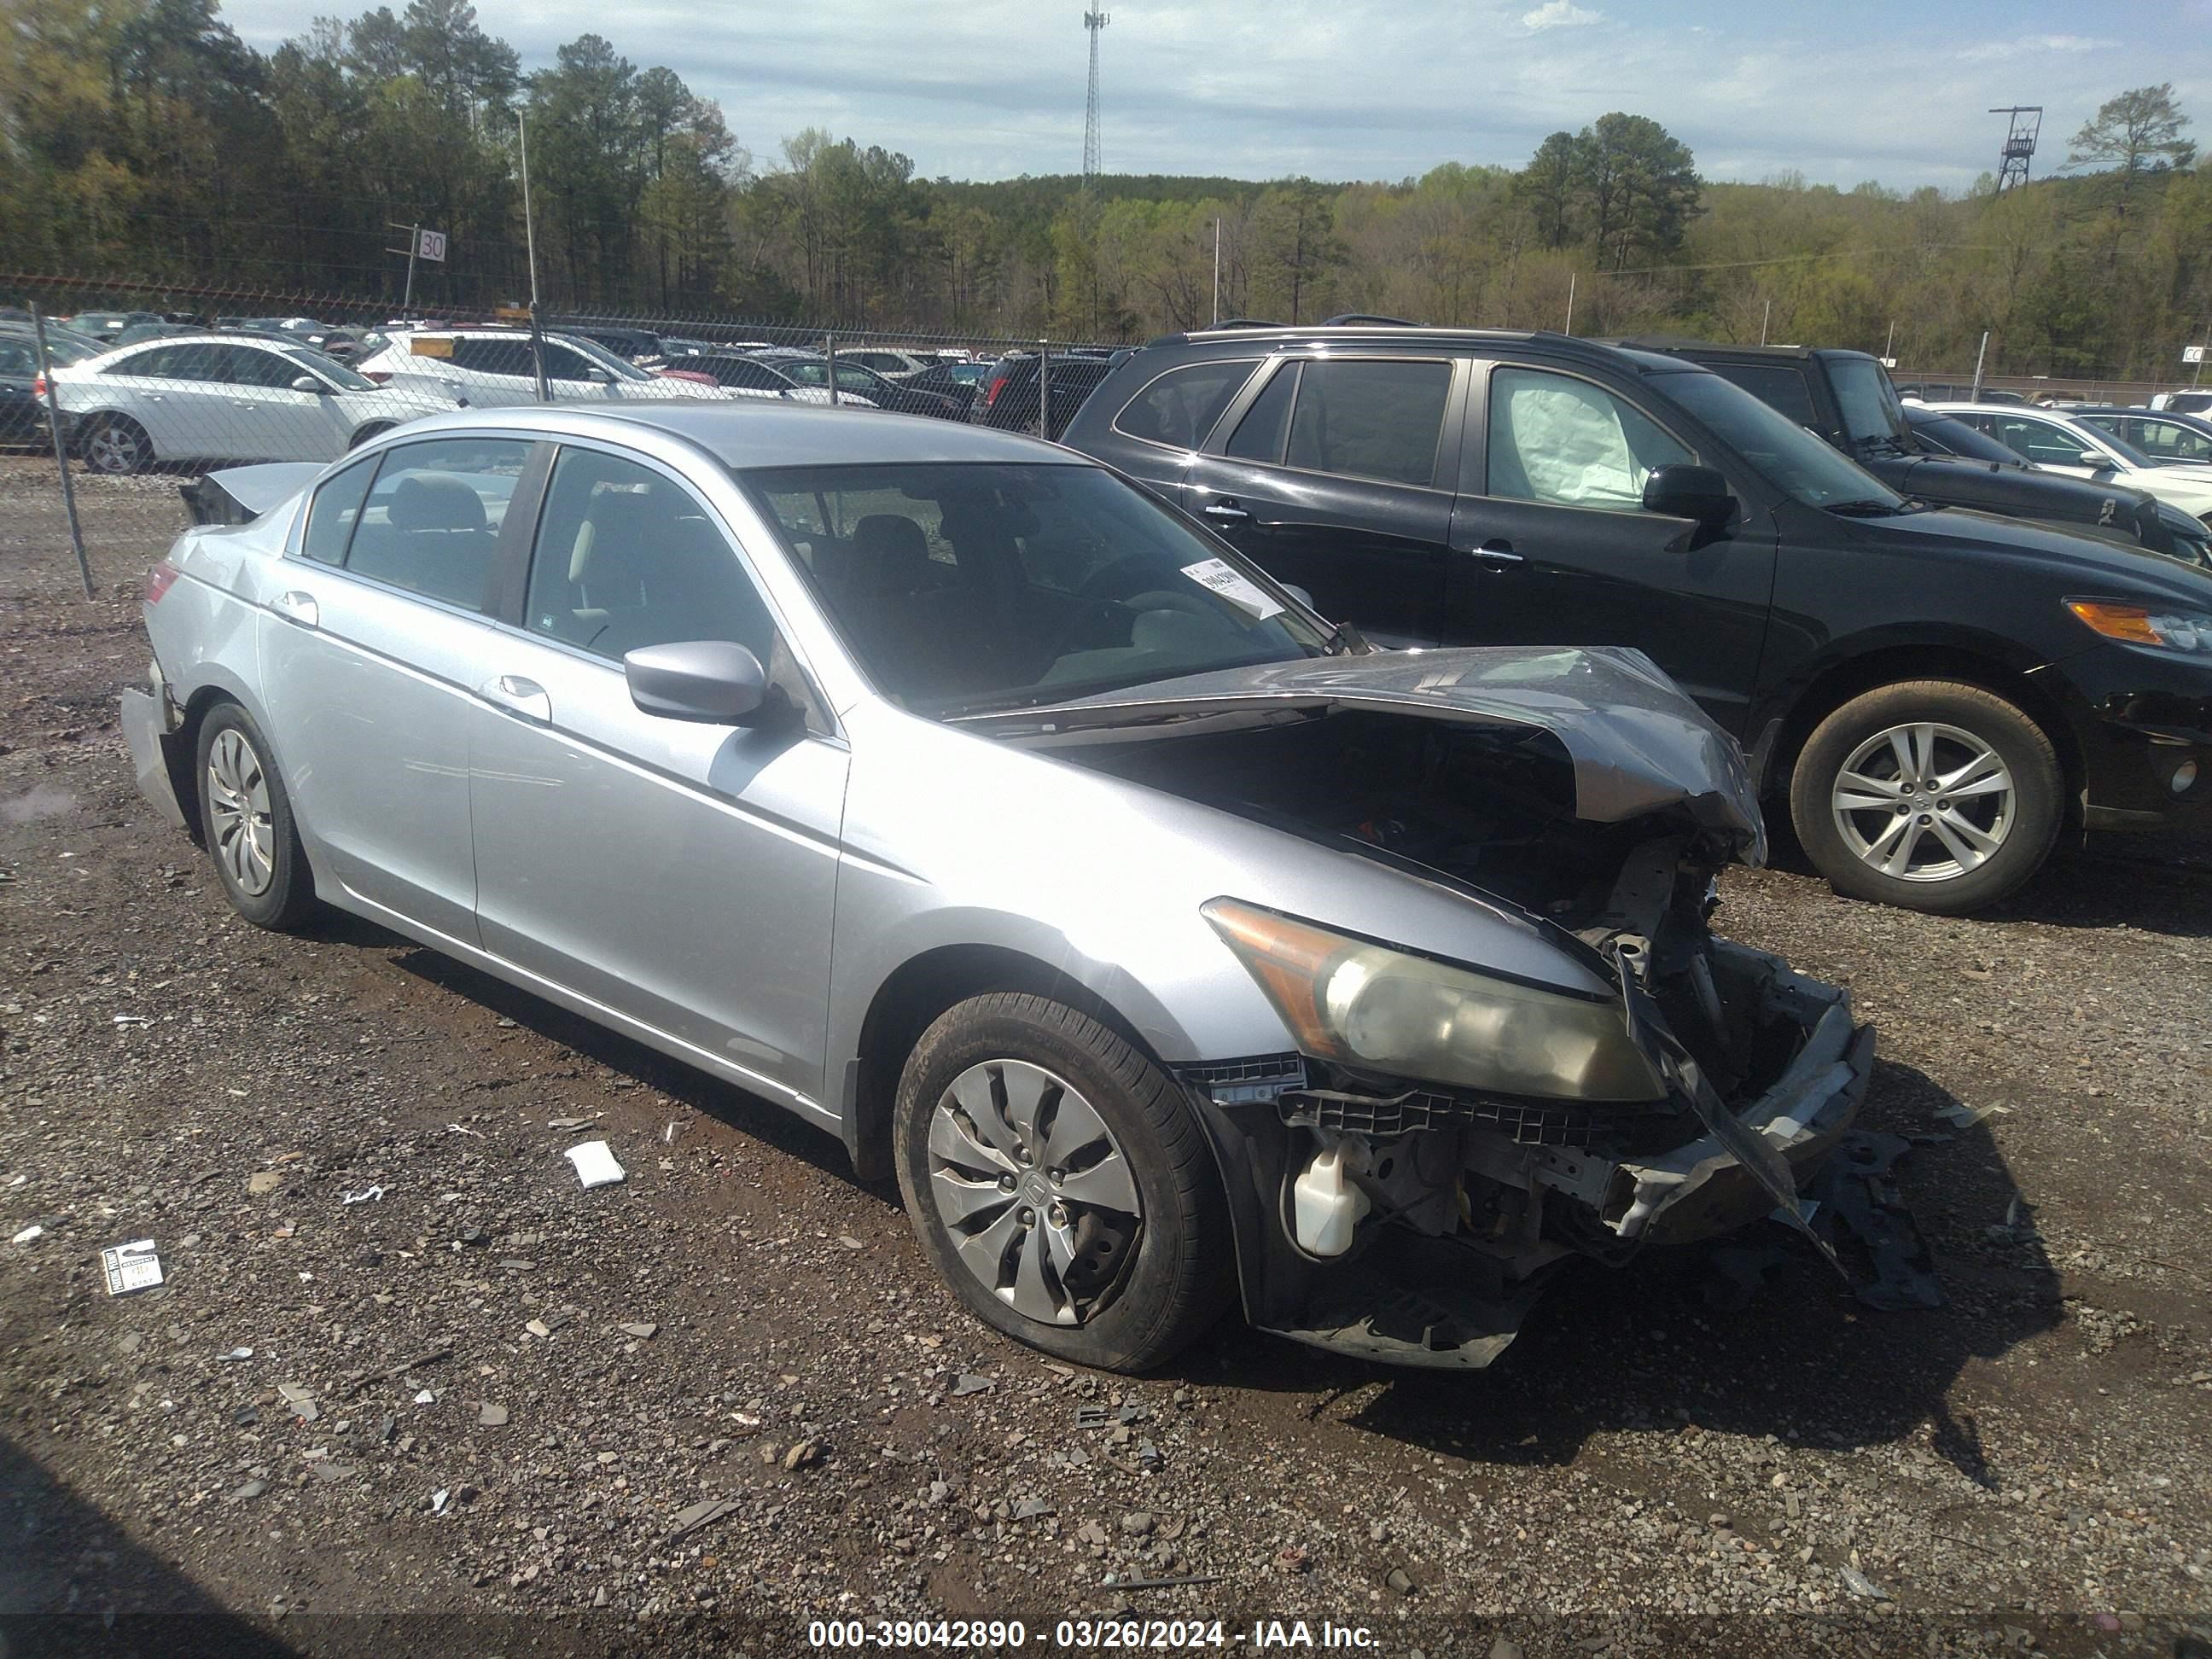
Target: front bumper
{"x":1412,"y":1299}
{"x":2140,"y":717}
{"x":149,"y":726}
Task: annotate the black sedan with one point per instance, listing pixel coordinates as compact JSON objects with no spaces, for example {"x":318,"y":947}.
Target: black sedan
{"x":808,"y":368}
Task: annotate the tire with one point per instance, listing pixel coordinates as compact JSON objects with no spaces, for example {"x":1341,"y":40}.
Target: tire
{"x":373,"y":429}
{"x":117,"y":446}
{"x":1943,"y":852}
{"x":257,"y":854}
{"x":1135,"y":1293}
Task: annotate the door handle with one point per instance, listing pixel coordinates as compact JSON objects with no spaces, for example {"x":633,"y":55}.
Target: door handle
{"x":519,"y":695}
{"x":298,"y":607}
{"x":1227,"y":510}
{"x":1498,"y":551}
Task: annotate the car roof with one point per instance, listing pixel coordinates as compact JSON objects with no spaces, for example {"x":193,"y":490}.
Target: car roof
{"x":1670,"y":343}
{"x":770,"y":433}
{"x":1651,"y":362}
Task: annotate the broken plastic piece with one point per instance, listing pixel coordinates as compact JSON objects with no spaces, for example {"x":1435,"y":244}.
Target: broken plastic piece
{"x":367,"y":1194}
{"x":132,"y":1267}
{"x":237,"y":1353}
{"x":27,"y":1234}
{"x":595,"y":1164}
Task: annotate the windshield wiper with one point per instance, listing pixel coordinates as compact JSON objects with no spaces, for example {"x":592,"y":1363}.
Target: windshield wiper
{"x":1880,"y":446}
{"x":1865,"y":509}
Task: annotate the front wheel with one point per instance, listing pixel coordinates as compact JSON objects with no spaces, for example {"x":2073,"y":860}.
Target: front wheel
{"x":1058,"y":1183}
{"x":246,"y":818}
{"x":1928,"y":795}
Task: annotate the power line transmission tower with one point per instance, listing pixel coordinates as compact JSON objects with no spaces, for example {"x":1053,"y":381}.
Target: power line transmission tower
{"x":1092,"y":23}
{"x":2018,"y":144}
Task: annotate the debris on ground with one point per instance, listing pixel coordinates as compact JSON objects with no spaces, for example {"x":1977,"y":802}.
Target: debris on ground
{"x":366,"y":1195}
{"x":132,"y":1267}
{"x":28,"y":1235}
{"x":595,"y":1164}
{"x":968,"y":1383}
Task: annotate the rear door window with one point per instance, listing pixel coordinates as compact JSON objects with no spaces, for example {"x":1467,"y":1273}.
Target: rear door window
{"x":1369,"y":419}
{"x":335,"y":510}
{"x":494,"y":357}
{"x":1179,"y":408}
{"x":1260,"y":435}
{"x":431,"y":522}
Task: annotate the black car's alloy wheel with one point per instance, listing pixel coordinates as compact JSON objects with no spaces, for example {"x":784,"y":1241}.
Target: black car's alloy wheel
{"x":1929,"y":794}
{"x":1058,"y":1183}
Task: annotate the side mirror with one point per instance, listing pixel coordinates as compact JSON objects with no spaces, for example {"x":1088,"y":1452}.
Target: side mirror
{"x":2093,"y":461}
{"x":1682,"y":491}
{"x":1301,"y":596}
{"x":710,"y":681}
{"x":308,"y":383}
{"x":598,"y":376}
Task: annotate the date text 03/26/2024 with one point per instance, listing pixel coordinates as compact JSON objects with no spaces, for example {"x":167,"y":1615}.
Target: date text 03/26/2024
{"x":1004,"y":1635}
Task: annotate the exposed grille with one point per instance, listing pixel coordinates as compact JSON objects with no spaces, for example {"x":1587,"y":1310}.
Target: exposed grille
{"x":1528,"y":1124}
{"x":1262,"y":1077}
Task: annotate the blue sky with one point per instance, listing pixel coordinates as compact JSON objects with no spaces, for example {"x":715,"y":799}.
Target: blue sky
{"x":1363,"y":89}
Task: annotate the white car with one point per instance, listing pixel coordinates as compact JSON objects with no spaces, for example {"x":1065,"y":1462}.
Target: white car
{"x":2063,"y":442}
{"x":890,"y":364}
{"x":490,"y":367}
{"x":219,"y":396}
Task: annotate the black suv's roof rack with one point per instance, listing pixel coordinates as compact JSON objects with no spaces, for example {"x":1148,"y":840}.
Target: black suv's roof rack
{"x":1238,"y":322}
{"x":1365,"y":319}
{"x":1684,"y":343}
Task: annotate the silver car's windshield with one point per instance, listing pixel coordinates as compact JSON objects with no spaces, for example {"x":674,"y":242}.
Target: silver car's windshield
{"x":1793,"y":458}
{"x":960,"y":587}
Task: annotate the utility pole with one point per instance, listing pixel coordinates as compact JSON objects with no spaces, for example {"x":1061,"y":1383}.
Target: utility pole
{"x":1980,"y":357}
{"x":1888,"y":343}
{"x":414,"y":246}
{"x":1571,"y":302}
{"x":1217,"y":267}
{"x":529,"y":229}
{"x":1764,"y":318}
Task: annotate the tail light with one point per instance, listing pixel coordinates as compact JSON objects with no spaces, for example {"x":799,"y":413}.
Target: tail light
{"x":159,"y":579}
{"x":991,"y":391}
{"x":38,"y":387}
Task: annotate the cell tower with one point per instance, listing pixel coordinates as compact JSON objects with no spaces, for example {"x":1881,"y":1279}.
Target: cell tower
{"x":1093,"y":22}
{"x":2018,"y":144}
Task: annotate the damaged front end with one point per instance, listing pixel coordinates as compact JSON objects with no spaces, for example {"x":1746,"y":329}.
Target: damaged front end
{"x":1443,"y":1134}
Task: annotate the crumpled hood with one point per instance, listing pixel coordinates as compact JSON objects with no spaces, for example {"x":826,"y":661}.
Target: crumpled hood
{"x":1639,"y":745}
{"x":239,"y":494}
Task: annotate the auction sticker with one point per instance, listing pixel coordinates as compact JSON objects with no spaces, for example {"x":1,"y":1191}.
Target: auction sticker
{"x":132,"y":1267}
{"x":1233,"y":586}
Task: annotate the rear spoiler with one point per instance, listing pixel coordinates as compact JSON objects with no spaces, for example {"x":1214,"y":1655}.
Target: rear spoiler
{"x":239,"y":494}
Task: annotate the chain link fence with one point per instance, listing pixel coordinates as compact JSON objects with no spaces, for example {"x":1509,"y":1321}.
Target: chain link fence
{"x":131,"y":392}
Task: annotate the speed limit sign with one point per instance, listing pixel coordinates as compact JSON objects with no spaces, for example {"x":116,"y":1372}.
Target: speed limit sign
{"x":431,"y":245}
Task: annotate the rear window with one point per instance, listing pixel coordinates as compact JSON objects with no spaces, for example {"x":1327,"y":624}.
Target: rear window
{"x":1179,"y":407}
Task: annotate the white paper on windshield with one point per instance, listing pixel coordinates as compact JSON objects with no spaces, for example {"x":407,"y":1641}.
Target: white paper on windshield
{"x":1233,"y":586}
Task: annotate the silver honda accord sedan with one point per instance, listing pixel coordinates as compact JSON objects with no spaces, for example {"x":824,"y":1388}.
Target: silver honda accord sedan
{"x":1169,"y":943}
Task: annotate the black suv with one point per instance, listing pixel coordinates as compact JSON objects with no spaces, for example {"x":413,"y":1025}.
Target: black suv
{"x":1013,"y":389}
{"x":1934,"y":693}
{"x":1846,"y":398}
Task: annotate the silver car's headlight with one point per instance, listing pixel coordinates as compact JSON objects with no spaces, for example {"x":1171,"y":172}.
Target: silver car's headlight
{"x":1369,"y":1007}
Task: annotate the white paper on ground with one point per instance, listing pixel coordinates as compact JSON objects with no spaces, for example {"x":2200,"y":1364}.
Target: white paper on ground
{"x":132,"y":1267}
{"x":595,"y":1164}
{"x":1234,"y":585}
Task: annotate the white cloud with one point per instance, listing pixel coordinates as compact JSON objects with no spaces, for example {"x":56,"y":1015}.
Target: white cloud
{"x":1558,"y":14}
{"x":1995,"y":52}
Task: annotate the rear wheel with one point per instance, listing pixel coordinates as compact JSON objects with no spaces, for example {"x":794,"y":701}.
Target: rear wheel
{"x":117,"y":446}
{"x":1928,"y":795}
{"x":246,"y":818}
{"x":1060,"y":1184}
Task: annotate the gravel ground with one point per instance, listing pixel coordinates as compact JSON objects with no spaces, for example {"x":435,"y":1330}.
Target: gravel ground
{"x":693,"y":1412}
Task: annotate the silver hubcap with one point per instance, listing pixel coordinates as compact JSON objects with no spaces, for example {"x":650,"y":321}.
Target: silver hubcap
{"x":1028,"y":1179}
{"x":238,"y":803}
{"x":114,"y":449}
{"x":1924,"y":802}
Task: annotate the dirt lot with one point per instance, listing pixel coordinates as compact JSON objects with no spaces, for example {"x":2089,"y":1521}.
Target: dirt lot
{"x":488,"y":1396}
